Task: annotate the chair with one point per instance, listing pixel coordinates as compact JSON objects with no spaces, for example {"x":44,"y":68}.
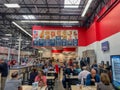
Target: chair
{"x":73,"y":82}
{"x":50,"y":84}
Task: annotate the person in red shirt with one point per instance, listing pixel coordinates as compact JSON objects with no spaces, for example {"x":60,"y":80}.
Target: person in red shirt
{"x":13,"y":62}
{"x":56,"y":70}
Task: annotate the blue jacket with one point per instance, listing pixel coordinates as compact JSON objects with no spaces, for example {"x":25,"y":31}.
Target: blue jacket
{"x":32,"y":77}
{"x":68,"y":71}
{"x":89,"y":77}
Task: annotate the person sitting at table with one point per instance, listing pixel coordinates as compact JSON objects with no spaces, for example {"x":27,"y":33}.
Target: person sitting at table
{"x":76,"y":69}
{"x":41,"y":79}
{"x":105,"y":82}
{"x":70,"y":62}
{"x":92,"y":78}
{"x":13,"y":83}
{"x":33,"y":74}
{"x":83,"y":74}
{"x":50,"y":67}
{"x":69,"y":70}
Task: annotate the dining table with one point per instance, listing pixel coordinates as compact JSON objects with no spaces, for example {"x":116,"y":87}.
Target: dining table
{"x":29,"y":87}
{"x":82,"y":87}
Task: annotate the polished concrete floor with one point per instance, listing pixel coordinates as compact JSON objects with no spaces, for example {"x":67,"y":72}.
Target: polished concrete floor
{"x":58,"y":85}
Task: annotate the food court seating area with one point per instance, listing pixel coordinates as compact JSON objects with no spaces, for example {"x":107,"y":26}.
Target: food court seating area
{"x":71,"y":79}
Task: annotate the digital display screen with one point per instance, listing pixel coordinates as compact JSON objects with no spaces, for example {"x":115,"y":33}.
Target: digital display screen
{"x":115,"y":61}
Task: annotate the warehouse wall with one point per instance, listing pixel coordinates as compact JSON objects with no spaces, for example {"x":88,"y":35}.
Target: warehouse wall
{"x":108,"y":29}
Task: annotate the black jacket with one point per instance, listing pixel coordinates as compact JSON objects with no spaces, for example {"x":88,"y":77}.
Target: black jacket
{"x":4,"y":69}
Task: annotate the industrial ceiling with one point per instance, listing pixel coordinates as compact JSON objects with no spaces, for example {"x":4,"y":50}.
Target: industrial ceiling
{"x":43,"y":13}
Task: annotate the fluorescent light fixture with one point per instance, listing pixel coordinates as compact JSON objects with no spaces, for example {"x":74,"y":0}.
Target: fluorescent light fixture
{"x":8,"y":34}
{"x":9,"y":43}
{"x":35,"y":21}
{"x":40,"y":51}
{"x":27,"y":43}
{"x":86,"y":8}
{"x":71,"y":3}
{"x":22,"y":29}
{"x":4,"y":38}
{"x":28,"y":17}
{"x":11,"y":5}
{"x":19,"y":40}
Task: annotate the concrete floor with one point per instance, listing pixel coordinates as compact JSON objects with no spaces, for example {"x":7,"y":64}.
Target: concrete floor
{"x":58,"y":85}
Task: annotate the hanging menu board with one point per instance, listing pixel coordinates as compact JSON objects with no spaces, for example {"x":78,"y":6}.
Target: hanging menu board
{"x":55,"y":38}
{"x":115,"y":61}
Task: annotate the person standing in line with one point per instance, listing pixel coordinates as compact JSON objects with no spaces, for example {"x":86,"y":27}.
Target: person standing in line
{"x":56,"y":71}
{"x":4,"y":73}
{"x":82,"y":63}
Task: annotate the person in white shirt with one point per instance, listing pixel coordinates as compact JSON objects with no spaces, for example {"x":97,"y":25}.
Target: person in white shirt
{"x":45,"y":70}
{"x":83,"y":74}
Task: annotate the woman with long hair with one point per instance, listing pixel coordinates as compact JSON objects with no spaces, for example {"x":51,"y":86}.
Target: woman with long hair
{"x":41,"y":79}
{"x":105,"y":82}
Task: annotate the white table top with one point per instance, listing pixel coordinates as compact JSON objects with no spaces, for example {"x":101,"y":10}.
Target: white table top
{"x":51,"y":71}
{"x":77,"y":87}
{"x":28,"y":87}
{"x":50,"y":77}
{"x":72,"y":77}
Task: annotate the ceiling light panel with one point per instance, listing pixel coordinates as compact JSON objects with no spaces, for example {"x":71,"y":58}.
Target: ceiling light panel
{"x":28,"y":17}
{"x":35,"y":21}
{"x":71,"y":3}
{"x":10,"y":5}
{"x":4,"y":38}
{"x":8,"y":34}
{"x":22,"y":29}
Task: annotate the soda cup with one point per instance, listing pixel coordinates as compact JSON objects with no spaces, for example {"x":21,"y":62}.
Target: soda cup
{"x":71,"y":74}
{"x":35,"y":86}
